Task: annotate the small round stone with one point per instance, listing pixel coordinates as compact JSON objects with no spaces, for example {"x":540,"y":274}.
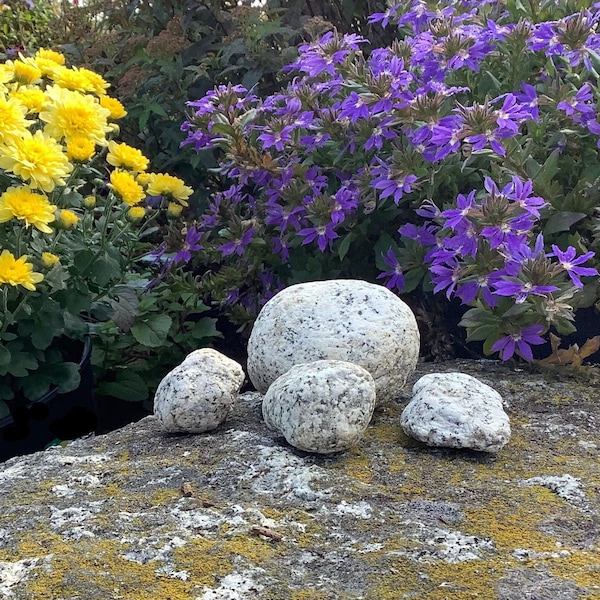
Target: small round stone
{"x":345,"y":319}
{"x":456,"y":410}
{"x":198,"y":395}
{"x":322,"y":406}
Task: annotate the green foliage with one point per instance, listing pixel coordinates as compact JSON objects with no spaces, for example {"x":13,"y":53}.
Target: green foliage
{"x":162,"y":54}
{"x":26,"y":25}
{"x":148,"y":335}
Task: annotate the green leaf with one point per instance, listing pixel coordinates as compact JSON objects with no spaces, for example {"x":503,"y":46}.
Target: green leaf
{"x":129,"y":386}
{"x":345,"y":245}
{"x":562,"y":221}
{"x":4,"y":355}
{"x":125,"y":307}
{"x":152,"y":331}
{"x":205,"y":328}
{"x":21,"y":363}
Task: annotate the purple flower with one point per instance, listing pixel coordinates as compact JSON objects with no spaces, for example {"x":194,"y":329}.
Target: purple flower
{"x":520,"y":342}
{"x":456,"y":218}
{"x":191,"y":244}
{"x":520,"y":290}
{"x":237,"y":246}
{"x":324,"y":234}
{"x":569,"y":263}
{"x":446,"y":276}
{"x":395,"y":277}
{"x":529,"y":100}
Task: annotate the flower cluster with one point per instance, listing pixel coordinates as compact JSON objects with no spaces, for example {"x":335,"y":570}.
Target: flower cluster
{"x":473,"y":136}
{"x":74,"y":209}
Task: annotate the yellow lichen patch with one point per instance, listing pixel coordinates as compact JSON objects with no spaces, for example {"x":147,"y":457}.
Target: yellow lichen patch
{"x":203,"y":560}
{"x":468,"y":580}
{"x":309,"y":595}
{"x":71,"y":565}
{"x":357,"y":465}
{"x":514,"y":523}
{"x":398,"y":579}
{"x":582,"y":567}
{"x":164,"y":496}
{"x":252,"y":548}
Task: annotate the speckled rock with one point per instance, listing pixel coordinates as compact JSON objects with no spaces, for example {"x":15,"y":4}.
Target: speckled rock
{"x":456,"y":410}
{"x":198,"y":395}
{"x":344,"y":319}
{"x":323,"y":406}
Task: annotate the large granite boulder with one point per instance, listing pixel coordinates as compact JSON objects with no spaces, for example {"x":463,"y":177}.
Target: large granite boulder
{"x":238,"y":514}
{"x":345,"y":319}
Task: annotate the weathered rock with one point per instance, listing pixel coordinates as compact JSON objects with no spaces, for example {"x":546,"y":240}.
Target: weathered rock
{"x":109,"y":517}
{"x":343,"y":319}
{"x":456,"y":410}
{"x":198,"y":395}
{"x":323,"y":406}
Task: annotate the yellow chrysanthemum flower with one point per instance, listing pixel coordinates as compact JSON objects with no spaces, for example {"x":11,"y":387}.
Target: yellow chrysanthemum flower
{"x":26,"y":71}
{"x":13,"y":123}
{"x":80,"y":149}
{"x":17,"y":271}
{"x":49,"y":259}
{"x":136,"y":213}
{"x":122,"y":155}
{"x":126,"y":187}
{"x":67,"y":219}
{"x":117,"y":110}
{"x":22,"y":203}
{"x":71,"y":79}
{"x":6,"y":74}
{"x":161,"y":184}
{"x":32,"y":98}
{"x":98,"y":84}
{"x":52,"y":55}
{"x":36,"y":158}
{"x":69,"y":114}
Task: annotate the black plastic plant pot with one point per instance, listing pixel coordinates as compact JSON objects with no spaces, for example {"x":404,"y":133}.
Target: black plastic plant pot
{"x":53,"y":418}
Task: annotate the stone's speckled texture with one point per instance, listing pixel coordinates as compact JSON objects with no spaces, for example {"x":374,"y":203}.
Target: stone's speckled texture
{"x":198,"y":395}
{"x":456,"y":410}
{"x":322,"y":406}
{"x":344,"y":319}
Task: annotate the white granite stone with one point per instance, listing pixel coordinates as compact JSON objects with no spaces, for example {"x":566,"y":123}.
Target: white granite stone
{"x":198,"y":395}
{"x":322,"y":406}
{"x":458,"y":411}
{"x":343,"y":319}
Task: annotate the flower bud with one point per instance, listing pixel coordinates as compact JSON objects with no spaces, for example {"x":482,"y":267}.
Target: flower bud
{"x":49,"y":259}
{"x":67,"y":219}
{"x":174,"y":209}
{"x":89,"y":202}
{"x":136,"y":213}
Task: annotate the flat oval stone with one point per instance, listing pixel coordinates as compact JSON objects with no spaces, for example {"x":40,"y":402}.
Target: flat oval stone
{"x":456,"y":410}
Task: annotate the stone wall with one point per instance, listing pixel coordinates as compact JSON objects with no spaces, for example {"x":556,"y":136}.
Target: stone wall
{"x":238,"y":514}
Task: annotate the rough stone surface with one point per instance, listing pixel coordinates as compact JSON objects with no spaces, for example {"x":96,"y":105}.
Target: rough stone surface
{"x":456,"y":410}
{"x":323,"y":406}
{"x":343,"y":319}
{"x":139,"y":514}
{"x":198,"y":395}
